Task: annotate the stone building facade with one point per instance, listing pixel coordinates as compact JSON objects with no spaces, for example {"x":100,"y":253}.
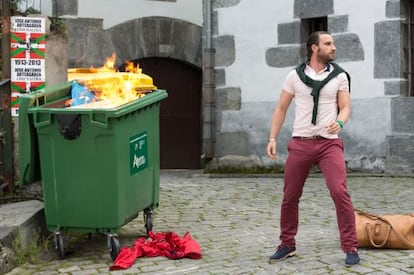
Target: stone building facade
{"x":244,"y":49}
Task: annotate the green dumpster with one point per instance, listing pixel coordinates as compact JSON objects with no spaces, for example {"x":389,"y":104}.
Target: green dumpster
{"x":99,"y":167}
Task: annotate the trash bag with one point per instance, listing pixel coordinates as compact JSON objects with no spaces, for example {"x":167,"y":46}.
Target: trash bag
{"x":81,"y":95}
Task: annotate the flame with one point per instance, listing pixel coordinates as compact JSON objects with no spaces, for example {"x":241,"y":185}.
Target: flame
{"x":113,"y":86}
{"x":130,"y":67}
{"x":109,"y":65}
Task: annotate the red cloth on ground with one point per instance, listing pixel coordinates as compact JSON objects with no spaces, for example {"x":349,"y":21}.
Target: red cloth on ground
{"x":158,"y":244}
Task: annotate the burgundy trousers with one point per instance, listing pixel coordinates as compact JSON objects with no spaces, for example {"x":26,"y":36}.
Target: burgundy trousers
{"x":328,"y":154}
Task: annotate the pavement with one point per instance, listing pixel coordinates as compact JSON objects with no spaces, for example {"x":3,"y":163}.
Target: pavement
{"x":235,"y":220}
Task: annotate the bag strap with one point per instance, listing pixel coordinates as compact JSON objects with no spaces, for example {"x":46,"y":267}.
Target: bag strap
{"x":368,"y":230}
{"x":390,"y":227}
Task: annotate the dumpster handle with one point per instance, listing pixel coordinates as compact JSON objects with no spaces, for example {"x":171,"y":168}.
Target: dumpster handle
{"x":40,"y":100}
{"x":94,"y":121}
{"x":44,"y":122}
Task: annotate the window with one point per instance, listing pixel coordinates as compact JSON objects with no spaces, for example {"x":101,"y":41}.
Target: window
{"x":308,"y":26}
{"x":311,"y":25}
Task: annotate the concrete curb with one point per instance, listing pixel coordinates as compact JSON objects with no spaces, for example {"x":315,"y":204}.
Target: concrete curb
{"x":21,"y":224}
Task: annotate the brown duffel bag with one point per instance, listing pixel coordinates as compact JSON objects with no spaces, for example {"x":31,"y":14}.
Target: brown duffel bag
{"x":385,"y":231}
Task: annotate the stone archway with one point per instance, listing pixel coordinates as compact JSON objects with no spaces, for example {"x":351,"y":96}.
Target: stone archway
{"x":169,"y":50}
{"x":177,"y":44}
{"x":89,"y":44}
{"x":157,"y":37}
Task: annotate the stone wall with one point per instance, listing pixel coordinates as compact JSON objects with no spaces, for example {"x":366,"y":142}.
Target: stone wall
{"x":373,"y":141}
{"x":378,"y":136}
{"x":391,"y":63}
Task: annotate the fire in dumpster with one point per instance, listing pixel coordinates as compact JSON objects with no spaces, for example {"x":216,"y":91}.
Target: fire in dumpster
{"x":106,"y":87}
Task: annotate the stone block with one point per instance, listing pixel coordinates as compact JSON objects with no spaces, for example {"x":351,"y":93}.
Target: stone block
{"x":284,"y":56}
{"x":402,"y":115}
{"x":388,"y":50}
{"x":24,"y":221}
{"x":67,"y":7}
{"x":187,"y":41}
{"x":312,"y":8}
{"x":220,"y":77}
{"x":393,"y":9}
{"x":338,"y":24}
{"x":148,"y":29}
{"x":397,"y":87}
{"x":348,"y":47}
{"x":224,"y":3}
{"x":288,"y":33}
{"x":226,"y":52}
{"x":229,"y":98}
{"x":400,"y":151}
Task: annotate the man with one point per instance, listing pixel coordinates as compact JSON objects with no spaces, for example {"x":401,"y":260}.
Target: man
{"x":322,"y":98}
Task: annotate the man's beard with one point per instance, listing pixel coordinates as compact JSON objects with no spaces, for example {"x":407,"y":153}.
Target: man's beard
{"x":325,"y":58}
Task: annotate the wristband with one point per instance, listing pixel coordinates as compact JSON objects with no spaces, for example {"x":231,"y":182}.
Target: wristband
{"x":272,"y":140}
{"x":341,"y":123}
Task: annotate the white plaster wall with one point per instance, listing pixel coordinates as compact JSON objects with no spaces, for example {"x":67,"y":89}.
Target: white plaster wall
{"x":115,"y":12}
{"x":254,"y":26}
{"x":362,"y":16}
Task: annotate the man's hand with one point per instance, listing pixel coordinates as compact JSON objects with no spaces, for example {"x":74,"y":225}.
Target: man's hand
{"x":333,"y":128}
{"x":271,"y":149}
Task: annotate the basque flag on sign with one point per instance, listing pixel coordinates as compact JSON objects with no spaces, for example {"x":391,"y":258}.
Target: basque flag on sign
{"x":26,"y":86}
{"x":28,"y":45}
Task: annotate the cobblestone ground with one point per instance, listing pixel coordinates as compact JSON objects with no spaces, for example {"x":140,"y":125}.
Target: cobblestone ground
{"x":235,"y":221}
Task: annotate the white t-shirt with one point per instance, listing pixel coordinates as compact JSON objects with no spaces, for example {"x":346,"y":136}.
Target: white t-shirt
{"x":328,"y":103}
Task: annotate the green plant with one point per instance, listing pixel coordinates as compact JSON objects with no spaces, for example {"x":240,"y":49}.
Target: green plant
{"x":58,"y":25}
{"x":29,"y":253}
{"x":31,"y":11}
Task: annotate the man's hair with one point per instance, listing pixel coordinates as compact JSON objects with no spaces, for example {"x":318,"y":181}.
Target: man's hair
{"x":313,"y":39}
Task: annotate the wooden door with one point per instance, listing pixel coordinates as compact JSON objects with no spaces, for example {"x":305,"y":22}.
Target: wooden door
{"x":180,"y":113}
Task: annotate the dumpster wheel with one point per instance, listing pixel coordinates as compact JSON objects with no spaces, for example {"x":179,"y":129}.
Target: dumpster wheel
{"x":114,"y":246}
{"x":59,"y":245}
{"x":148,"y":220}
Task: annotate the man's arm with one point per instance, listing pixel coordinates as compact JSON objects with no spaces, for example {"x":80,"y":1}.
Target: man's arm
{"x":278,"y":118}
{"x":344,"y":106}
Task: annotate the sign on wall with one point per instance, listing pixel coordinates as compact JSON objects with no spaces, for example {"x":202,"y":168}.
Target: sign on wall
{"x":28,"y":48}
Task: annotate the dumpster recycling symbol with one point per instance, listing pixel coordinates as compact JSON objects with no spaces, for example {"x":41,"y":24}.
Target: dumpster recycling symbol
{"x":138,"y":151}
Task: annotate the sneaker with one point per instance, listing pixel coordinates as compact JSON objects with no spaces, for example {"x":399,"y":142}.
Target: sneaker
{"x":283,"y":253}
{"x":352,"y":258}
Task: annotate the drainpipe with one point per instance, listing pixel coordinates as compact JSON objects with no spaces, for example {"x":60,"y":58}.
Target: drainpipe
{"x":209,"y":87}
